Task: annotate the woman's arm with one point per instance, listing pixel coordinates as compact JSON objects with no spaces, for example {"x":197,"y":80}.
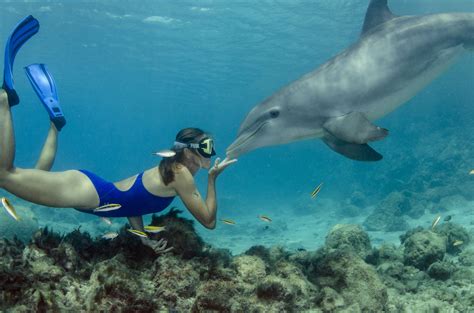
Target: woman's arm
{"x":203,"y":210}
{"x":136,"y":222}
{"x":160,"y":247}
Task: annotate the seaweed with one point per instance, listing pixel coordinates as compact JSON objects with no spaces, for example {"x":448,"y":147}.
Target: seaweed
{"x":75,"y":272}
{"x":180,"y":234}
{"x":47,"y":239}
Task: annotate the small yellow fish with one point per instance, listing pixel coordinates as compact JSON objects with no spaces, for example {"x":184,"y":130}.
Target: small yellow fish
{"x":471,"y":172}
{"x":10,"y":209}
{"x":138,"y":233}
{"x":108,"y":207}
{"x":265,"y":218}
{"x":106,"y":220}
{"x":458,"y":243}
{"x":316,"y":191}
{"x":228,"y":222}
{"x":154,"y":229}
{"x":165,"y":153}
{"x":110,"y":236}
{"x":435,"y":222}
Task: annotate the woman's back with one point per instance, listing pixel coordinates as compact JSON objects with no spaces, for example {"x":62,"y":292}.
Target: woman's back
{"x":152,"y":181}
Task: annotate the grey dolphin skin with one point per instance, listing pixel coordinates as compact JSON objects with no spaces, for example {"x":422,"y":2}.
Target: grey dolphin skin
{"x":394,"y":58}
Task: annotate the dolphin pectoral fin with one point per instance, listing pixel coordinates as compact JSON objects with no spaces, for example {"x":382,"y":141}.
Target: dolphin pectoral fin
{"x":377,"y":13}
{"x":354,"y":128}
{"x":358,"y":152}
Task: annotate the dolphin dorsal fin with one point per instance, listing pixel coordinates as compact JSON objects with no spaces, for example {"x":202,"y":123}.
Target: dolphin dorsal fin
{"x":377,"y":13}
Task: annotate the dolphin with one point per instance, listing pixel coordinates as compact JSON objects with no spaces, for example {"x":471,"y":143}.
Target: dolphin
{"x":394,"y":58}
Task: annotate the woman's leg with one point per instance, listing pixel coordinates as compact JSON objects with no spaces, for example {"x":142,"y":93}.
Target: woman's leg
{"x":68,"y":189}
{"x":7,"y":138}
{"x":60,"y":189}
{"x":48,"y":153}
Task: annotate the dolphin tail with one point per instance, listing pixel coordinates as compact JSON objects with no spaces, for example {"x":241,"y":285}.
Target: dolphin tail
{"x":352,"y":151}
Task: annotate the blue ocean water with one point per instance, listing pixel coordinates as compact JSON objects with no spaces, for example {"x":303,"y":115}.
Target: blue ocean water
{"x":131,"y":74}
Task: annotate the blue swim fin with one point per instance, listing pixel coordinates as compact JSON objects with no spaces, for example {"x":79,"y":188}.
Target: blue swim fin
{"x":45,"y":88}
{"x":22,"y":32}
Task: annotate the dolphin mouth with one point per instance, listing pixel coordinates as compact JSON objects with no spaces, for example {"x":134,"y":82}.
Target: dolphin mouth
{"x":241,"y":141}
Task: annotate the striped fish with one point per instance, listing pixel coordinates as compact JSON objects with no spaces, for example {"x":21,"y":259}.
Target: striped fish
{"x":154,"y":229}
{"x":108,"y":207}
{"x":10,"y":209}
{"x":137,"y":233}
{"x":228,"y":222}
{"x":435,"y":221}
{"x":106,"y":220}
{"x":316,"y":191}
{"x":110,"y":236}
{"x":165,"y":153}
{"x":265,"y":218}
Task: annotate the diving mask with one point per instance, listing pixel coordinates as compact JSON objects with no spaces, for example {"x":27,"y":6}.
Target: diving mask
{"x":204,"y":147}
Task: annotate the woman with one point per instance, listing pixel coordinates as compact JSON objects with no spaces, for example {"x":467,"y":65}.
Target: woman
{"x":147,"y":192}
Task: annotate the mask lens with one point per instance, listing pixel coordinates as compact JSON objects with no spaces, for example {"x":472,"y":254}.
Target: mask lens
{"x":206,"y":148}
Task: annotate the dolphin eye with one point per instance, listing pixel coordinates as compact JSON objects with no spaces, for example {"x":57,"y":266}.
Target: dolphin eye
{"x":274,"y":113}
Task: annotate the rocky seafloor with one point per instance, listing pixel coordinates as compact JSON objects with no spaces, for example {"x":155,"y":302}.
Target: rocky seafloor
{"x":432,"y":270}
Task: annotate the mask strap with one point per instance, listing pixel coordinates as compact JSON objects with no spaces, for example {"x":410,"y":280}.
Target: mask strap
{"x":181,"y":145}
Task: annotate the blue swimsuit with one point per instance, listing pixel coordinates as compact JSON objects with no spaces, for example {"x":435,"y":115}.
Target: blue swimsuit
{"x":136,"y":201}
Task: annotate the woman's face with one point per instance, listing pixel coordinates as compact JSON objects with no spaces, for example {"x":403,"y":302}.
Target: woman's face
{"x":205,"y":162}
{"x":198,"y":160}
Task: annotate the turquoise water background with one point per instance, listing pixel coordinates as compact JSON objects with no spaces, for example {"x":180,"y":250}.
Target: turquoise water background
{"x":130,"y":74}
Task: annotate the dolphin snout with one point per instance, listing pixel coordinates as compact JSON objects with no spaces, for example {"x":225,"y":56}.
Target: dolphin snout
{"x":247,"y":140}
{"x":231,"y":150}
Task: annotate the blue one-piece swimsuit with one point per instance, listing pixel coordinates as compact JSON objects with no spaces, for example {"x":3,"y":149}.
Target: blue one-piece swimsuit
{"x":135,"y":201}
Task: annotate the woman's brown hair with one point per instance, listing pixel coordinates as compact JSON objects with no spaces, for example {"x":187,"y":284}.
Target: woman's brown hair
{"x":186,"y":135}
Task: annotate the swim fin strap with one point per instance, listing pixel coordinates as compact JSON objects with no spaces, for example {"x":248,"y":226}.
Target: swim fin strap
{"x":22,"y":32}
{"x":45,"y":88}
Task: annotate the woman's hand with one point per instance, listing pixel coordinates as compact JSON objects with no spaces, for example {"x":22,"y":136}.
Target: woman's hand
{"x":158,"y":246}
{"x":220,"y":166}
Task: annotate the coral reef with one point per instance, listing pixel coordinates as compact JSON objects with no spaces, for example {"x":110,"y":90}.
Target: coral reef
{"x":423,"y":248}
{"x":441,"y":270}
{"x":388,"y":215}
{"x":392,"y":212}
{"x":356,"y":281}
{"x":179,"y":233}
{"x":351,"y":237}
{"x":77,"y":273}
{"x":455,"y":235}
